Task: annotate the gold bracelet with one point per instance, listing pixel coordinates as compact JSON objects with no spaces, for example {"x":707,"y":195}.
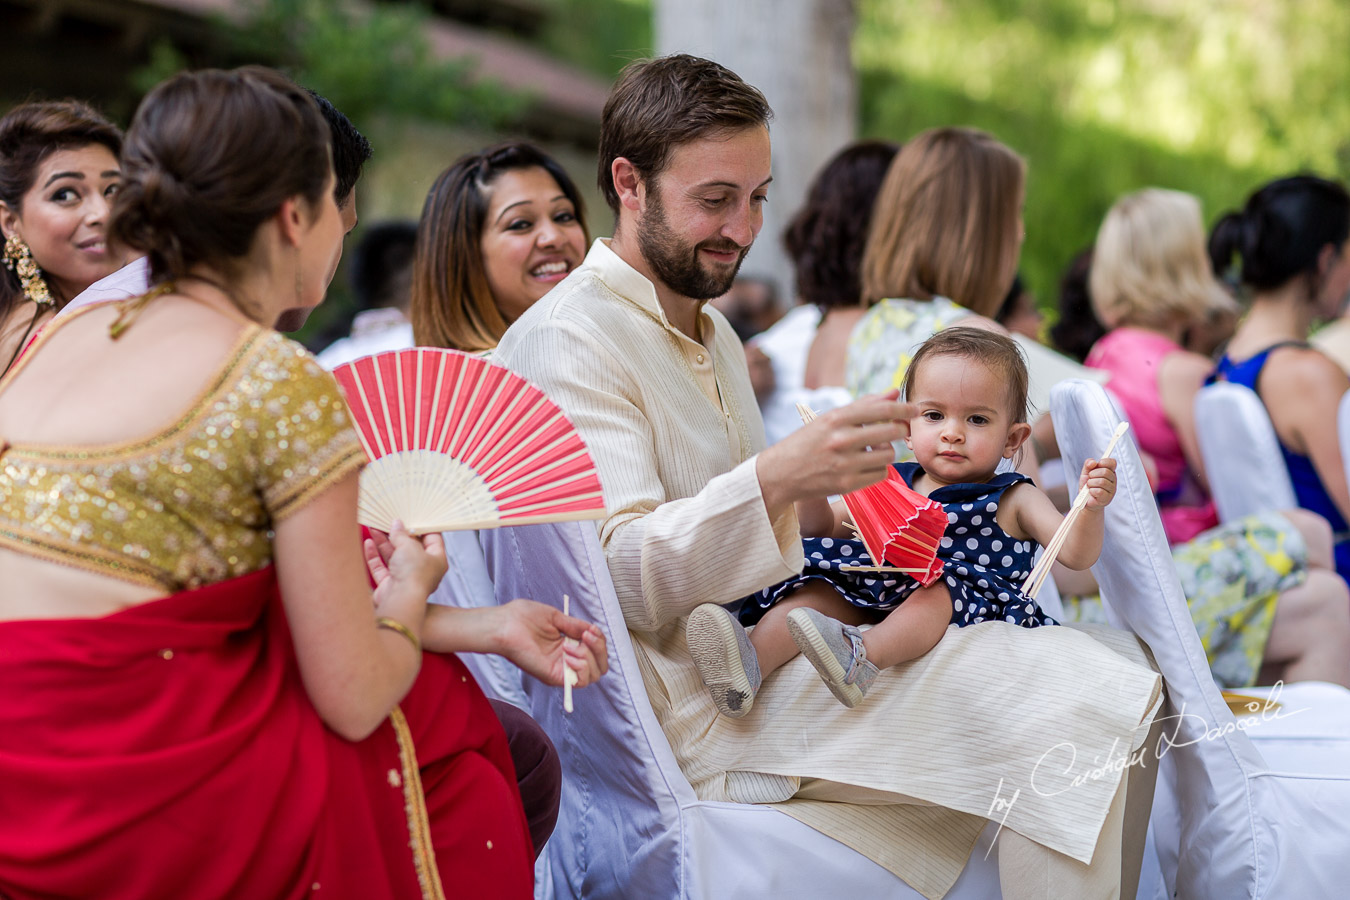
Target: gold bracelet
{"x":396,"y":625}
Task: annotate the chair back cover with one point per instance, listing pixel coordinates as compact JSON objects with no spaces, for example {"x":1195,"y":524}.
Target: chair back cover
{"x":630,"y":824}
{"x":1206,"y":761}
{"x":1242,"y":454}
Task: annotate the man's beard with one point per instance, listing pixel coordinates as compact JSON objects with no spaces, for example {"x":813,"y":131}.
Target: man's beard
{"x":679,"y":265}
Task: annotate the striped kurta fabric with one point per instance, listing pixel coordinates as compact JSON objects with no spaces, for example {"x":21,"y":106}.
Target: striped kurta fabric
{"x":910,"y":776}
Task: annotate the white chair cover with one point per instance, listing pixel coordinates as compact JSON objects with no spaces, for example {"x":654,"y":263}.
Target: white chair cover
{"x":1242,"y":454}
{"x":1343,"y":430}
{"x":630,"y":825}
{"x":467,"y":584}
{"x":1230,"y":820}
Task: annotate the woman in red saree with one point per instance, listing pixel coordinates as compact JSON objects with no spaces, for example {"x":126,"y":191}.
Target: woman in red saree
{"x":199,"y":700}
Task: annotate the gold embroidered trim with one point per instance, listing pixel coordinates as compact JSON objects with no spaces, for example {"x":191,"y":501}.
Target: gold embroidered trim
{"x":415,"y":806}
{"x":89,"y":559}
{"x":200,"y":407}
{"x":349,"y":460}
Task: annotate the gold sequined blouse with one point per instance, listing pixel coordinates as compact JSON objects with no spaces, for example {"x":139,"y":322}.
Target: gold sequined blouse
{"x":196,"y":502}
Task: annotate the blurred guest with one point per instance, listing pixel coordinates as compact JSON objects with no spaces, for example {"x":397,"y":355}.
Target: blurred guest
{"x":499,"y":229}
{"x":1151,"y":282}
{"x":58,"y":174}
{"x":1291,"y":240}
{"x":943,"y":248}
{"x":806,"y":348}
{"x":751,"y":306}
{"x":1077,"y":328}
{"x":1018,"y":312}
{"x":381,"y":279}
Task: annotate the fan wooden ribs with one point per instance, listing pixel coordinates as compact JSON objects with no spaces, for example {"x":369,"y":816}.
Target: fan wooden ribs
{"x":456,"y":443}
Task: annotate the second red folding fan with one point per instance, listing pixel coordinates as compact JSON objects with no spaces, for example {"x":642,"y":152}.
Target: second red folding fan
{"x":456,"y":443}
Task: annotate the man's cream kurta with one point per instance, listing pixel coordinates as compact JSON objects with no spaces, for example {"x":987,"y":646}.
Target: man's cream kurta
{"x":908,"y":777}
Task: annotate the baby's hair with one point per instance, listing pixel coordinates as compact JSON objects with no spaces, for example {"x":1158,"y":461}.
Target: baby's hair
{"x":997,"y":351}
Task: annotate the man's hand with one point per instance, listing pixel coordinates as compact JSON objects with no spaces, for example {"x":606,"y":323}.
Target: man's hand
{"x":843,"y":450}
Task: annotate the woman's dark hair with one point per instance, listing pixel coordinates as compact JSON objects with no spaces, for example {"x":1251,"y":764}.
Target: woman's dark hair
{"x":452,"y":305}
{"x":28,"y":135}
{"x":210,"y":156}
{"x":825,"y":240}
{"x":1280,"y":233}
{"x":1078,"y":327}
{"x":1009,"y":304}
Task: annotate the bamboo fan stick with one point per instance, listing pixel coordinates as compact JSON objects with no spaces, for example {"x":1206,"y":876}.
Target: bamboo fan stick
{"x":1032,"y":586}
{"x":569,"y":674}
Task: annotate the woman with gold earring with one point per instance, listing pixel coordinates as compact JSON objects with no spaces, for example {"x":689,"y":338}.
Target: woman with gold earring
{"x":58,"y":174}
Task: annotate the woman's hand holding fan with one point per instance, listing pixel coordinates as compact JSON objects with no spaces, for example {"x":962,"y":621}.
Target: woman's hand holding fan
{"x":405,"y":570}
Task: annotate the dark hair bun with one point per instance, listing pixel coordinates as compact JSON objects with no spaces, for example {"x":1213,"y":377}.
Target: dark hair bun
{"x":210,"y":156}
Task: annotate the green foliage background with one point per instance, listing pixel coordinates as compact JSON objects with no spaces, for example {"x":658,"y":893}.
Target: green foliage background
{"x":1108,"y":96}
{"x":1100,"y":96}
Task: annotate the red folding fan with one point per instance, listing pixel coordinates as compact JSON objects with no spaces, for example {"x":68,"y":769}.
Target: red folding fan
{"x":456,"y":443}
{"x":900,"y":527}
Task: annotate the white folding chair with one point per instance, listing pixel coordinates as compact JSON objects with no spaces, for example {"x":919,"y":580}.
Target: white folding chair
{"x":1251,"y":808}
{"x":630,"y":825}
{"x":1343,"y":431}
{"x":1242,"y":454}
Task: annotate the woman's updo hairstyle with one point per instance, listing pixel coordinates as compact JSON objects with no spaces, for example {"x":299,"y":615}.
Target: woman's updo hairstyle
{"x":1280,"y":233}
{"x":210,"y":156}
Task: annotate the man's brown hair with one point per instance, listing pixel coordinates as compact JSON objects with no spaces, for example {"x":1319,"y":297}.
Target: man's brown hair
{"x":945,"y":223}
{"x":659,"y":104}
{"x":997,"y":351}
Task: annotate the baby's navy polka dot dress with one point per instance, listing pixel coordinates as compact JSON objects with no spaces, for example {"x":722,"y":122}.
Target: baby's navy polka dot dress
{"x":983,"y":566}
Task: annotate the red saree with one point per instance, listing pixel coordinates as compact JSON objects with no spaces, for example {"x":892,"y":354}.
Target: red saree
{"x":169,"y":750}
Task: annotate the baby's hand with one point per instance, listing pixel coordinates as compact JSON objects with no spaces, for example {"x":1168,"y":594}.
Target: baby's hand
{"x":1099,"y":480}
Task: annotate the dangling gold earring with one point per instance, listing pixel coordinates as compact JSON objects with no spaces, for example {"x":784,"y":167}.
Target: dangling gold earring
{"x":19,"y":259}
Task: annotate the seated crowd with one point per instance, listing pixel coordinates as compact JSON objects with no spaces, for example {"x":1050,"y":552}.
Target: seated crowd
{"x":200,"y":641}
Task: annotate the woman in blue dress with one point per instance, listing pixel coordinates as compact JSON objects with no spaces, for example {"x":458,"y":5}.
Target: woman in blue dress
{"x":969,"y":387}
{"x":1293,"y":243}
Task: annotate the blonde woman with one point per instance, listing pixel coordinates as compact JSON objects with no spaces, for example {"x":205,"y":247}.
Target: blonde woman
{"x":1260,"y":589}
{"x":1151,"y":282}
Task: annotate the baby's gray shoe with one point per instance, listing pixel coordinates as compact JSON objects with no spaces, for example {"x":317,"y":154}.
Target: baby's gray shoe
{"x":837,"y":652}
{"x":724,"y":657}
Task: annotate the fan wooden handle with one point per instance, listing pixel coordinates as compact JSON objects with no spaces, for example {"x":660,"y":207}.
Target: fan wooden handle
{"x":569,"y":674}
{"x":1032,"y":586}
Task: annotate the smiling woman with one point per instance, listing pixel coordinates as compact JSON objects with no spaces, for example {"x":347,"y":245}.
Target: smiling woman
{"x":58,"y":174}
{"x":499,"y":229}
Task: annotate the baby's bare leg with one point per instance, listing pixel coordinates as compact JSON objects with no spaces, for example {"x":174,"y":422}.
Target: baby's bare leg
{"x":912,"y":629}
{"x":772,"y":642}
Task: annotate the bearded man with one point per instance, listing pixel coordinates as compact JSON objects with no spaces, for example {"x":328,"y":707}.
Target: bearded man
{"x":700,"y":512}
